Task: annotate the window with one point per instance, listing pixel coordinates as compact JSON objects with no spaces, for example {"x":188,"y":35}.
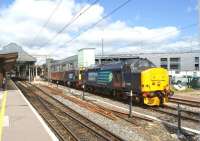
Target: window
{"x":163,"y":59}
{"x":175,"y":60}
{"x":164,"y":63}
{"x":174,"y":67}
{"x":175,"y":63}
{"x":196,"y":65}
{"x":164,"y":66}
{"x":196,"y":60}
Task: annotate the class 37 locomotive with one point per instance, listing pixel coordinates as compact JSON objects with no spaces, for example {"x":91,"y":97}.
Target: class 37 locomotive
{"x":148,"y":83}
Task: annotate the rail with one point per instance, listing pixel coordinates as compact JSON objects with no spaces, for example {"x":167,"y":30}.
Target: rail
{"x":92,"y":130}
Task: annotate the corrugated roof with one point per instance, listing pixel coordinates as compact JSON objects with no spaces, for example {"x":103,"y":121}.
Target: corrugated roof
{"x":22,"y":55}
{"x":70,"y":59}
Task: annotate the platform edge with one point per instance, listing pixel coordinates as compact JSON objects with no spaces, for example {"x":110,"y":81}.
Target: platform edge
{"x":45,"y":126}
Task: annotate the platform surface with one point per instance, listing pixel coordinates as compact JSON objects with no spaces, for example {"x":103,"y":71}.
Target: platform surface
{"x":20,"y":123}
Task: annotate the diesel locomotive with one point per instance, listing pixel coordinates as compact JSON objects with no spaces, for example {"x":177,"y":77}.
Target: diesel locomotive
{"x":149,"y":84}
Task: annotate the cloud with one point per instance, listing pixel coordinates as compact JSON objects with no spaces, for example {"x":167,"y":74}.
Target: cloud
{"x":120,"y":32}
{"x":182,"y":45}
{"x":21,"y":21}
{"x":190,"y":44}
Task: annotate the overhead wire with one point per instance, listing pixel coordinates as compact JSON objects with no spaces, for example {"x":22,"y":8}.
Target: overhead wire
{"x":103,"y":18}
{"x":96,"y":23}
{"x":48,"y":20}
{"x":73,"y":19}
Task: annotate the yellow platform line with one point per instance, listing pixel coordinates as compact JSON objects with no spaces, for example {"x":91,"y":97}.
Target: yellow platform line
{"x":3,"y":109}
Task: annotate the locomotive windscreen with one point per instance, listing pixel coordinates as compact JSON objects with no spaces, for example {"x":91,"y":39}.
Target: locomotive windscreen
{"x":141,"y":64}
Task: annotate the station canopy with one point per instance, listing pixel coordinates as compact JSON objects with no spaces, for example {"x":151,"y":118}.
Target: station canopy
{"x":23,"y":57}
{"x":7,"y":61}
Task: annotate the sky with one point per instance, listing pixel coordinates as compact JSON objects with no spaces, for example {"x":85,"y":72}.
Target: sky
{"x":140,"y":26}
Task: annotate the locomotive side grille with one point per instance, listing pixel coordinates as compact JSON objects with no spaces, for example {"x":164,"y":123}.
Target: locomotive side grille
{"x":104,"y":77}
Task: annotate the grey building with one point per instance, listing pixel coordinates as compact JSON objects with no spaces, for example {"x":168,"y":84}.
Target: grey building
{"x":178,"y":61}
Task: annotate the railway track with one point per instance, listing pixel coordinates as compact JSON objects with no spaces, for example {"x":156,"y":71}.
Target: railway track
{"x":166,"y":113}
{"x":168,"y":110}
{"x":188,"y":126}
{"x":189,"y":112}
{"x":121,"y":115}
{"x":172,"y":111}
{"x":133,"y":120}
{"x":186,"y":102}
{"x":85,"y":104}
{"x":53,"y":122}
{"x":65,"y":122}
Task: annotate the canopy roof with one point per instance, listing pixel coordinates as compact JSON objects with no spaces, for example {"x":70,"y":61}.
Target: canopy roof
{"x":22,"y":55}
{"x":7,"y":61}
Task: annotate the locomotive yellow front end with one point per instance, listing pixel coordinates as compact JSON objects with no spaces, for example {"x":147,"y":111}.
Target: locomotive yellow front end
{"x":155,"y":86}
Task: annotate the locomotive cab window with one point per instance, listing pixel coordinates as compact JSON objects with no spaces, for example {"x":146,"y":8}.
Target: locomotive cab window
{"x":142,"y":64}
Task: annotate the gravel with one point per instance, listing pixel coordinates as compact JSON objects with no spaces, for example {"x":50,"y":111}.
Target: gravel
{"x":123,"y":131}
{"x":136,"y":108}
{"x":127,"y":131}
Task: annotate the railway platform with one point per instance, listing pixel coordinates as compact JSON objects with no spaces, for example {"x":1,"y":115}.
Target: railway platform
{"x":18,"y":119}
